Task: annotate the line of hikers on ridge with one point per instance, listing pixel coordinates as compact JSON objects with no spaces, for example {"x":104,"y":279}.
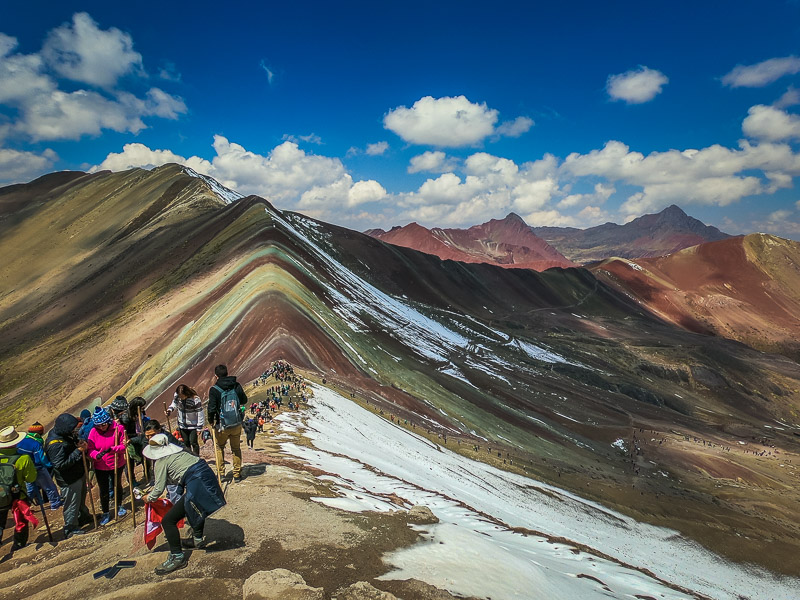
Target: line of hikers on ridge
{"x":113,"y":440}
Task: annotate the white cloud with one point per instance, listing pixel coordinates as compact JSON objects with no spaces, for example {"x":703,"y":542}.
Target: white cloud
{"x":377,"y":149}
{"x":311,"y":138}
{"x":515,"y":128}
{"x":602,"y":192}
{"x":762,"y":73}
{"x":432,"y":162}
{"x":790,"y":98}
{"x":270,"y":73}
{"x":442,"y":121}
{"x":17,"y":166}
{"x":84,"y":52}
{"x":770,"y":123}
{"x":636,"y":86}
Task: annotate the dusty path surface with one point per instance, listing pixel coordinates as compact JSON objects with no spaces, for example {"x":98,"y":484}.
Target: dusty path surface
{"x":269,"y":523}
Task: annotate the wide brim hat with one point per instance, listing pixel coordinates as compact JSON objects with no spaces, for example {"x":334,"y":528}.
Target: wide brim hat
{"x":158,"y":447}
{"x":10,"y":437}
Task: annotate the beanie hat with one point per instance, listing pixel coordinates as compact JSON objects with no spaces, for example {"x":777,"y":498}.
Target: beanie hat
{"x":120,"y":403}
{"x":85,"y":414}
{"x":100,"y":416}
{"x":36,"y":428}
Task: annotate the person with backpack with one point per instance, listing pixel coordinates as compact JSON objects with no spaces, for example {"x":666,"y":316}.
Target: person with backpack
{"x":191,"y":419}
{"x":225,"y":399}
{"x":200,"y":497}
{"x":15,"y":471}
{"x":106,"y":447}
{"x":65,"y":450}
{"x":33,"y":446}
{"x":249,"y":427}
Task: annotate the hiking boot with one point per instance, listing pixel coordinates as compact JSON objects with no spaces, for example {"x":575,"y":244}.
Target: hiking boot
{"x":193,"y":542}
{"x":122,"y":512}
{"x":104,"y":519}
{"x":173,"y":563}
{"x":237,"y":479}
{"x":70,"y":533}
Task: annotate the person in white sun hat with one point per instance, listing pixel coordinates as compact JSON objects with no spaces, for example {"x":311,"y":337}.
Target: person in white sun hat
{"x":15,"y":471}
{"x":201,"y":496}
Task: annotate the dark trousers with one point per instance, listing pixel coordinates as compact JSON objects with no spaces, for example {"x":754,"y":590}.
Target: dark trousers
{"x":170,"y":525}
{"x":105,"y":479}
{"x":190,"y":440}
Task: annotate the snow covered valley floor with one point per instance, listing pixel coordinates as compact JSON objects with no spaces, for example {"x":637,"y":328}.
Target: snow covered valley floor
{"x":502,"y":536}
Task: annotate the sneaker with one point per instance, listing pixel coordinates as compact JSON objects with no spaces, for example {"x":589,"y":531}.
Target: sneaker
{"x":237,"y":479}
{"x":69,"y":534}
{"x":122,"y":512}
{"x":194,"y":542}
{"x":173,"y":563}
{"x":104,"y":519}
{"x":56,"y":505}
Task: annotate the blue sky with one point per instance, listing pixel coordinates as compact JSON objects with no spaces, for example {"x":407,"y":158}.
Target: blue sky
{"x":377,"y":114}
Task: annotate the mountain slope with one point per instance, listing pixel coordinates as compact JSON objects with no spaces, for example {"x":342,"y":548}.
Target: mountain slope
{"x":506,"y":242}
{"x":133,"y":282}
{"x":649,"y":235}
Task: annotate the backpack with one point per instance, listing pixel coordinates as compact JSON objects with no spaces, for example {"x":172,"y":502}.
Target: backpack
{"x":229,"y":408}
{"x":8,"y":481}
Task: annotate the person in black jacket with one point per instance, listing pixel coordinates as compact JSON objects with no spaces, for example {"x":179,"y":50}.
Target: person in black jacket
{"x":66,"y":451}
{"x":250,"y":427}
{"x":226,"y":382}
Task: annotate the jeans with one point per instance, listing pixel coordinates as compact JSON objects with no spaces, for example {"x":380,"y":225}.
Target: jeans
{"x":75,"y":504}
{"x":43,"y":482}
{"x":190,"y":440}
{"x":233,"y":434}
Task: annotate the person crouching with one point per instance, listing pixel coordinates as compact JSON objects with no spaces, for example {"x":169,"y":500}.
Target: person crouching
{"x":202,"y":496}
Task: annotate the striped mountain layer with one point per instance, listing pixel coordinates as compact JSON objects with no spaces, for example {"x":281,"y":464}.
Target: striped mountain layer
{"x":132,"y":282}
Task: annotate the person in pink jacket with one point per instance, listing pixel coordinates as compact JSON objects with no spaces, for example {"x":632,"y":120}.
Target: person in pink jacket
{"x":106,"y":447}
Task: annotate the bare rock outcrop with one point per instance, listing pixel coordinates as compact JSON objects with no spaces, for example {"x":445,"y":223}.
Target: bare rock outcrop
{"x":422,"y":515}
{"x":279,"y":584}
{"x":362,"y":591}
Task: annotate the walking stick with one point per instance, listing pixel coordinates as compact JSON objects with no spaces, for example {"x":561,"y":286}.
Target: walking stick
{"x":116,"y":477}
{"x":89,"y":489}
{"x":130,"y":481}
{"x":46,"y":522}
{"x":167,"y":415}
{"x":214,"y":441}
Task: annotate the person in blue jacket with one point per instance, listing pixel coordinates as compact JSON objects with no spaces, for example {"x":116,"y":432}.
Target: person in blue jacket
{"x":202,"y":496}
{"x":33,"y":445}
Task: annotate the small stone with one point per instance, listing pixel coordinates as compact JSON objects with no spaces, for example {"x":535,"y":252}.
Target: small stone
{"x":422,"y":515}
{"x":363,"y":591}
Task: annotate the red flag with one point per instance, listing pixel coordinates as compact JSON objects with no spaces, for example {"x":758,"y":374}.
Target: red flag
{"x":153,"y":514}
{"x":23,"y":515}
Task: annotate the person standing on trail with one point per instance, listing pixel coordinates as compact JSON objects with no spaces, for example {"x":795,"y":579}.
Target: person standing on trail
{"x":106,"y":447}
{"x":201,"y":496}
{"x":250,"y":428}
{"x":33,"y":446}
{"x":15,"y":471}
{"x":226,"y":398}
{"x":191,"y":419}
{"x":66,"y":451}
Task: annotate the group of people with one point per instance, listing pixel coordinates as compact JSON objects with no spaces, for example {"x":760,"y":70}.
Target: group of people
{"x":100,"y":445}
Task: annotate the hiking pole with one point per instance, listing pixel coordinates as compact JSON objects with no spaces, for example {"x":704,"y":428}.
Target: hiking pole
{"x":89,"y":489}
{"x":44,"y":514}
{"x":116,"y":477}
{"x":130,"y":482}
{"x":214,"y":441}
{"x":167,"y":415}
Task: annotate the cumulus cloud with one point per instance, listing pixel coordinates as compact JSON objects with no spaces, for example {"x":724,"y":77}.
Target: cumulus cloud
{"x":762,"y":73}
{"x":771,"y":123}
{"x":84,"y":53}
{"x":450,"y":122}
{"x":636,"y":86}
{"x":311,"y":138}
{"x":81,"y":51}
{"x":377,"y":149}
{"x":602,"y":192}
{"x":16,"y":166}
{"x":432,"y":162}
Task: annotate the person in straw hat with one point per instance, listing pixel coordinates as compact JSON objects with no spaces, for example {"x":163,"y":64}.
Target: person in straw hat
{"x":15,"y":471}
{"x":201,"y":496}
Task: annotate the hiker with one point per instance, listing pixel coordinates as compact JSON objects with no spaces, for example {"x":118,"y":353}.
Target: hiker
{"x":106,"y":447}
{"x":137,"y":410}
{"x":260,"y":428}
{"x":120,"y":411}
{"x":66,"y":452}
{"x":15,"y":471}
{"x":86,"y":424}
{"x":225,"y":400}
{"x":202,"y":497}
{"x":249,"y":427}
{"x":33,"y":445}
{"x":137,"y":444}
{"x":191,"y":419}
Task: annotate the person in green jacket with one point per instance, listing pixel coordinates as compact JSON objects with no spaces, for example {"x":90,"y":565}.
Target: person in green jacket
{"x":12,"y":486}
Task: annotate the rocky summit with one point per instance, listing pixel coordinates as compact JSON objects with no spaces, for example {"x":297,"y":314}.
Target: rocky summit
{"x":612,"y":415}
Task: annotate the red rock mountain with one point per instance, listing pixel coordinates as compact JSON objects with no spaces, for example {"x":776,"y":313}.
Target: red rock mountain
{"x":505,"y":242}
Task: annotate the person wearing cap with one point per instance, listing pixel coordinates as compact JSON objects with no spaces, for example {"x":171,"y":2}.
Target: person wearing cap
{"x":106,"y":447}
{"x":24,"y":472}
{"x":201,"y":496}
{"x":120,"y":412}
{"x":86,"y":424}
{"x":33,"y":446}
{"x":66,"y":449}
